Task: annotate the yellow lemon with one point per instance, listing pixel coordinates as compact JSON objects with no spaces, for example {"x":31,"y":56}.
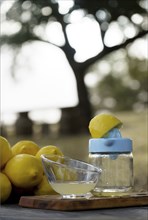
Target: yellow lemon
{"x":44,"y":188}
{"x":102,"y":123}
{"x":25,"y":147}
{"x":5,"y":151}
{"x":24,"y":170}
{"x":5,"y":187}
{"x":64,"y":174}
{"x":50,"y":149}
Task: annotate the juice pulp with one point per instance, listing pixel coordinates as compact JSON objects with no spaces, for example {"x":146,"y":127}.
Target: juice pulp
{"x":73,"y":187}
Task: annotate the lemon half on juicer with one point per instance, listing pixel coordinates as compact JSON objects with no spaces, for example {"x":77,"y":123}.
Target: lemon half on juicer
{"x":101,"y":124}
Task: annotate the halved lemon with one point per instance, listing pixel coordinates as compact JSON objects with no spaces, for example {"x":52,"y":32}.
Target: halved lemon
{"x":101,"y":124}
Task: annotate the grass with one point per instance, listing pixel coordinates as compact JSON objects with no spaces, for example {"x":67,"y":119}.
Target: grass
{"x":134,"y":127}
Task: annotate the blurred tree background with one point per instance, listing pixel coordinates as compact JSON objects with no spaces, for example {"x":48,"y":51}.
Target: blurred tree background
{"x":106,"y":77}
{"x":105,"y":45}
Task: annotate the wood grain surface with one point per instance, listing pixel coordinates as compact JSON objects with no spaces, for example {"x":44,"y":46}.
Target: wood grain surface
{"x":55,"y":202}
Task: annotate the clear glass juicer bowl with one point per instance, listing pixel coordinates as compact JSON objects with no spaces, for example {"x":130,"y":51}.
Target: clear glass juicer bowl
{"x":69,"y":177}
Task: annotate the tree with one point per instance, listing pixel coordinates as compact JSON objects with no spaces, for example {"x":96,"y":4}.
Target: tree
{"x":105,"y":12}
{"x":124,"y":85}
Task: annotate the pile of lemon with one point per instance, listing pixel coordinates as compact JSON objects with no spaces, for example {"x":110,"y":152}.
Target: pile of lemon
{"x":21,"y":168}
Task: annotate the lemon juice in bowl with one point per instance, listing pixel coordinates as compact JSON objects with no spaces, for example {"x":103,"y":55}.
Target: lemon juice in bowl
{"x":73,"y":187}
{"x":69,"y":177}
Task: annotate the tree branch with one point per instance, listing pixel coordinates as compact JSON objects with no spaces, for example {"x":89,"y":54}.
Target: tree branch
{"x":108,"y":50}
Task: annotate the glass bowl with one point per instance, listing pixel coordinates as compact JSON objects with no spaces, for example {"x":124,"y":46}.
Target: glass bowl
{"x":69,"y":177}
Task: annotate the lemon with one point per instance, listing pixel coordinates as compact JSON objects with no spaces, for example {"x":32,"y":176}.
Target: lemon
{"x":44,"y":188}
{"x":102,"y":123}
{"x":50,"y":149}
{"x":25,"y":147}
{"x":5,"y":151}
{"x":64,"y":174}
{"x":24,"y":170}
{"x":5,"y":187}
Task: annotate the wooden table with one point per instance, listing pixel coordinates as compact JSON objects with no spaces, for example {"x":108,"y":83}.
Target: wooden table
{"x":15,"y":212}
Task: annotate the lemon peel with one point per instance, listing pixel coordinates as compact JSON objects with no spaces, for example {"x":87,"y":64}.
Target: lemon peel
{"x":44,"y":188}
{"x":25,"y":147}
{"x":51,"y":150}
{"x":5,"y":151}
{"x":5,"y":188}
{"x":101,"y":124}
{"x":24,"y":170}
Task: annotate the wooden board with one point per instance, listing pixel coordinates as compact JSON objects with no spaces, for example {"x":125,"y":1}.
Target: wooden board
{"x":55,"y":202}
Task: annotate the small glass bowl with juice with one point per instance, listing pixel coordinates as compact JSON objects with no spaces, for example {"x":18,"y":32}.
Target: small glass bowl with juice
{"x":69,"y":177}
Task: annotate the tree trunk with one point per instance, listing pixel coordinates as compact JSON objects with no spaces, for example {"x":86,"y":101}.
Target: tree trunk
{"x":84,"y":105}
{"x":84,"y":102}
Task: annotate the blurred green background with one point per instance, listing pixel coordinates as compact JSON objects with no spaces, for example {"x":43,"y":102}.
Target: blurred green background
{"x":63,"y":62}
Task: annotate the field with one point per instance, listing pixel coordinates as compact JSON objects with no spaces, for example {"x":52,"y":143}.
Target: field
{"x":134,"y":127}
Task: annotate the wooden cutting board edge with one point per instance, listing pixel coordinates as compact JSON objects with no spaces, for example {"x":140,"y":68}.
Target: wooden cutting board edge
{"x":55,"y":202}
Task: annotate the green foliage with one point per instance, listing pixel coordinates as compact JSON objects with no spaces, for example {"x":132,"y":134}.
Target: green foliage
{"x":138,"y":71}
{"x":124,"y":97}
{"x":126,"y":91}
